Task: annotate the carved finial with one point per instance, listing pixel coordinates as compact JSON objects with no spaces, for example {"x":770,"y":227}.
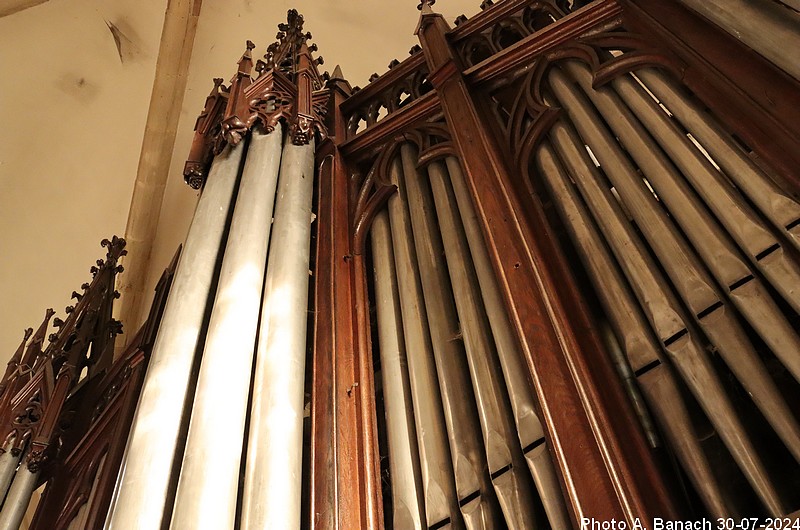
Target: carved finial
{"x":337,"y":73}
{"x":246,"y":61}
{"x":425,"y":6}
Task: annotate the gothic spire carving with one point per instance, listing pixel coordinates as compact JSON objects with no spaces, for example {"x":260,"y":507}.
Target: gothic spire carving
{"x":285,"y":85}
{"x":39,"y":379}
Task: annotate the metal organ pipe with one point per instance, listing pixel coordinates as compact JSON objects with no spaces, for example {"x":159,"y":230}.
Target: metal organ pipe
{"x":8,"y":464}
{"x":719,"y":254}
{"x":500,"y":441}
{"x":635,"y":337}
{"x":441,"y":500}
{"x":777,"y":207}
{"x":662,"y":309}
{"x":18,"y":498}
{"x":454,"y":381}
{"x":407,"y":488}
{"x":144,"y":481}
{"x":273,"y":472}
{"x":741,"y":222}
{"x":520,"y":390}
{"x":208,"y":485}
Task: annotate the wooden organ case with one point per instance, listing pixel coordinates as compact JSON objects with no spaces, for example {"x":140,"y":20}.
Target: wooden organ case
{"x":542,"y":273}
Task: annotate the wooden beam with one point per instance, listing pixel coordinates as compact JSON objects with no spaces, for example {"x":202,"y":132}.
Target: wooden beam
{"x":169,"y":85}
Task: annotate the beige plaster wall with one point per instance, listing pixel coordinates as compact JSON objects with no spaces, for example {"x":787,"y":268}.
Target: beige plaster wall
{"x":72,"y":108}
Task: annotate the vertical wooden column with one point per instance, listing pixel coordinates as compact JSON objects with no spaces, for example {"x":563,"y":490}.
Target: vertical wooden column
{"x":345,"y":487}
{"x":604,"y":461}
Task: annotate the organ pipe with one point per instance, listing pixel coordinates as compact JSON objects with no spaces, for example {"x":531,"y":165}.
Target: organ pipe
{"x":520,"y":390}
{"x":144,"y":481}
{"x":408,"y":501}
{"x":8,"y":464}
{"x":776,"y":206}
{"x":454,"y":381}
{"x":494,"y":411}
{"x":208,"y":485}
{"x":670,"y":324}
{"x":640,"y":347}
{"x":441,"y":500}
{"x":273,"y":472}
{"x":18,"y":498}
{"x":745,"y":290}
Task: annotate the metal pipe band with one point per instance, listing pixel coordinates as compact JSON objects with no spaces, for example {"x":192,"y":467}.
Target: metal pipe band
{"x":778,"y":207}
{"x":513,"y":487}
{"x":466,"y":447}
{"x":664,"y":312}
{"x":718,"y":253}
{"x":625,"y":316}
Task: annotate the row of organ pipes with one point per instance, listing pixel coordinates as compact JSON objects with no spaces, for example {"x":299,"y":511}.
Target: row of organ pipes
{"x":466,"y":448}
{"x":675,"y":250}
{"x":260,"y":307}
{"x":682,"y":236}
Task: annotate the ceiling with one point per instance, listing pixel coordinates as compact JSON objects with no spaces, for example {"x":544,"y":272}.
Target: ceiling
{"x":76,"y":85}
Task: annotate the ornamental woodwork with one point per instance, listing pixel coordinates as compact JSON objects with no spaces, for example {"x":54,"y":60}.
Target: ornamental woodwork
{"x":286,"y":86}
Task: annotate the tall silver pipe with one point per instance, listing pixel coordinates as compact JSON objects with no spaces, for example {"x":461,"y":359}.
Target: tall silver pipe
{"x":408,"y":501}
{"x":18,"y":498}
{"x":273,"y":470}
{"x":520,"y":390}
{"x":665,"y":399}
{"x":741,"y":222}
{"x":500,"y":440}
{"x":8,"y":465}
{"x":718,"y":253}
{"x":145,"y":477}
{"x":209,"y":479}
{"x":767,"y":27}
{"x":466,"y":447}
{"x":626,"y":318}
{"x":658,"y":302}
{"x":441,"y":500}
{"x":778,"y":207}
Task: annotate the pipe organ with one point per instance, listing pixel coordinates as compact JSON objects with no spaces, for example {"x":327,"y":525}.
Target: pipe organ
{"x":544,"y":271}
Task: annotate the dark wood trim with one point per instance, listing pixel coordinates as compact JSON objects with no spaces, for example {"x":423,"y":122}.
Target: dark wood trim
{"x":606,"y":466}
{"x":522,"y":53}
{"x":420,"y":109}
{"x":387,"y":80}
{"x":758,"y":101}
{"x":345,"y":488}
